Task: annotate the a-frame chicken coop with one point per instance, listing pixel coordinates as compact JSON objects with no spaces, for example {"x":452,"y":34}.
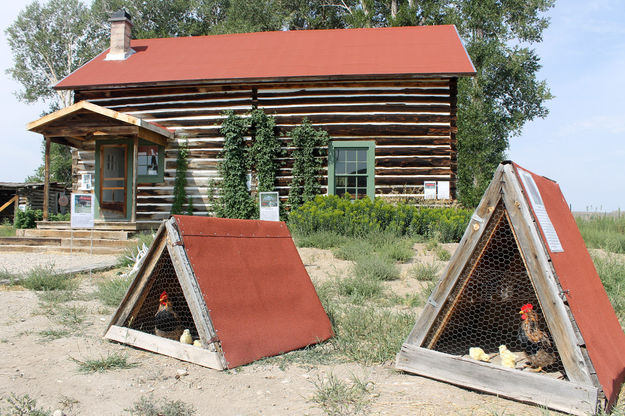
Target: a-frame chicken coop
{"x":522,"y":277}
{"x":238,"y":286}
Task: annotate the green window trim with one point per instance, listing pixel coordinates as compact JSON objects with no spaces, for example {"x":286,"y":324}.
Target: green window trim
{"x":160,"y":176}
{"x":369,"y":146}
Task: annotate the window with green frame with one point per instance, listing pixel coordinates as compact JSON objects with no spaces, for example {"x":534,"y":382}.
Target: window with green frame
{"x":150,"y":163}
{"x":351,"y":168}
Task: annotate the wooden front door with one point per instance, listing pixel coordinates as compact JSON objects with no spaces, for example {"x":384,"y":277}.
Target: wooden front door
{"x":113,"y":179}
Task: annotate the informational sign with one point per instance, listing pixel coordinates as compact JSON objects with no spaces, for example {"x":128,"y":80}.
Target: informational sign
{"x":269,"y":206}
{"x":429,"y":190}
{"x":85,"y":182}
{"x":442,"y":190}
{"x":82,"y":211}
{"x":541,"y":213}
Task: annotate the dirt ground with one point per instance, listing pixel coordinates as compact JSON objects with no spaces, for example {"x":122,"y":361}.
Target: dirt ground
{"x":46,"y":369}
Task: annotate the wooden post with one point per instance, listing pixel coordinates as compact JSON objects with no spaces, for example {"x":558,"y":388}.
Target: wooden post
{"x":46,"y":180}
{"x":133,"y":203}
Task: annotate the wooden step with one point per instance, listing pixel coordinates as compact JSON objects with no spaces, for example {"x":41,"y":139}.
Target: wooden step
{"x":97,"y":242}
{"x":4,"y":241}
{"x":65,"y":233}
{"x":98,"y":225}
{"x":58,"y":249}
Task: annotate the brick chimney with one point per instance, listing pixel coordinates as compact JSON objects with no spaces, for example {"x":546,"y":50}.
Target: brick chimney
{"x":121,"y":29}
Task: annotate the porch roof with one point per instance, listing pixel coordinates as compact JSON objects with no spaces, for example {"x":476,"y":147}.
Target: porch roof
{"x":83,"y":121}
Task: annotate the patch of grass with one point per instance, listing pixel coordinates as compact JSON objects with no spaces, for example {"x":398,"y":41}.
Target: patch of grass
{"x":611,"y":270}
{"x":45,"y":278}
{"x":114,"y":361}
{"x":359,"y":288}
{"x":604,"y":231}
{"x":111,"y":291}
{"x":442,"y":254}
{"x":353,"y":249}
{"x":399,"y":249}
{"x":368,"y":334}
{"x":24,"y":406}
{"x":312,"y":355}
{"x":425,"y":272}
{"x":71,"y":316}
{"x":128,"y":257}
{"x":7,"y":230}
{"x":375,"y":267}
{"x":149,"y":406}
{"x":57,"y":296}
{"x":320,"y":239}
{"x":336,"y":397}
{"x":431,"y":245}
{"x":11,"y":278}
{"x":51,"y":334}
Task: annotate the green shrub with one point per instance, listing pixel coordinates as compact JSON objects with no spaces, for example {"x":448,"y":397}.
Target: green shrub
{"x":363,"y":217}
{"x":27,"y":218}
{"x":399,"y":250}
{"x":374,"y":267}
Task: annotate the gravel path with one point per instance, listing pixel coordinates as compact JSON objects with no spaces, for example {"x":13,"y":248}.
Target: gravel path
{"x":23,"y":262}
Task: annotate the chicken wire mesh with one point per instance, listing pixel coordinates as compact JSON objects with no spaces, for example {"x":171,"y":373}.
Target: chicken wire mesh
{"x":483,"y":309}
{"x":178,"y":316}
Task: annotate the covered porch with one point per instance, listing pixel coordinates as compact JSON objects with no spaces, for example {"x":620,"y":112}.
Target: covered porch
{"x":128,"y":151}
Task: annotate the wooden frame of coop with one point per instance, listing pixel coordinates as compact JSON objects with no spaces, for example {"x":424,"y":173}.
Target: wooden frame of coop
{"x":580,"y":391}
{"x":238,"y":286}
{"x":210,"y":354}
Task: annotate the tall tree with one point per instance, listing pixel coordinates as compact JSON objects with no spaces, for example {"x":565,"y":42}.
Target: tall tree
{"x":505,"y":94}
{"x":49,"y":41}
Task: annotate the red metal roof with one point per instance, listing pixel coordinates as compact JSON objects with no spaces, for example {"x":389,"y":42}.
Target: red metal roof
{"x":259,"y":296}
{"x":589,"y":303}
{"x":420,"y":50}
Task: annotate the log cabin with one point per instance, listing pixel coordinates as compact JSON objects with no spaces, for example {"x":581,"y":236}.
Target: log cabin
{"x":386,"y":96}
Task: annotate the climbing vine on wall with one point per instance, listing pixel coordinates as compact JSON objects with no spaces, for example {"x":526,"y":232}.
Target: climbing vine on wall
{"x":182,"y":202}
{"x":235,"y":200}
{"x":265,"y":150}
{"x":310,"y":149}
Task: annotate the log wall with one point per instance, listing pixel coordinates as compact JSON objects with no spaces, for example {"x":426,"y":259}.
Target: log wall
{"x":413,"y":123}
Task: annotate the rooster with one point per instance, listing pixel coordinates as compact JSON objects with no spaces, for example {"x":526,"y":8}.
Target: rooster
{"x":166,"y":321}
{"x":534,"y":341}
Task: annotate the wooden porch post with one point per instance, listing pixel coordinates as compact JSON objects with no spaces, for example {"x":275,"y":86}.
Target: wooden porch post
{"x":135,"y":155}
{"x":46,"y":180}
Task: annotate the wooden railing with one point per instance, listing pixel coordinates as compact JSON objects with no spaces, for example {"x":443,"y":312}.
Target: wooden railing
{"x":9,"y":202}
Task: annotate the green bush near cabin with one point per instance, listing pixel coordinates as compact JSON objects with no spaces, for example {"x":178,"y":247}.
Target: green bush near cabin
{"x":29,"y":217}
{"x":363,"y":217}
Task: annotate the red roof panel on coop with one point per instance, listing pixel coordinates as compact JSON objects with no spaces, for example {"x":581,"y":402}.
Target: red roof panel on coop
{"x":588,"y":300}
{"x":256,"y":288}
{"x":417,"y":50}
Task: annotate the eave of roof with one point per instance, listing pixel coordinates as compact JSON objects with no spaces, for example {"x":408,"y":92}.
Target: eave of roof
{"x":286,"y":55}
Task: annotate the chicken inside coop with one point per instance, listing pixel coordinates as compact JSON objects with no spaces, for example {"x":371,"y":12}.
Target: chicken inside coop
{"x":482,"y":311}
{"x":164,"y":311}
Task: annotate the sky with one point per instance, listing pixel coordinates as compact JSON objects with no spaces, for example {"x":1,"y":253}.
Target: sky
{"x":580,"y":144}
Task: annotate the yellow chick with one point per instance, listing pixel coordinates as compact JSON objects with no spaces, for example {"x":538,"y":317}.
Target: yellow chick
{"x":508,"y":358}
{"x":478,"y":354}
{"x":186,"y":338}
{"x":197,"y":343}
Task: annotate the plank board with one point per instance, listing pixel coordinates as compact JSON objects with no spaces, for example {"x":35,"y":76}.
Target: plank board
{"x":149,"y":342}
{"x":575,"y":398}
